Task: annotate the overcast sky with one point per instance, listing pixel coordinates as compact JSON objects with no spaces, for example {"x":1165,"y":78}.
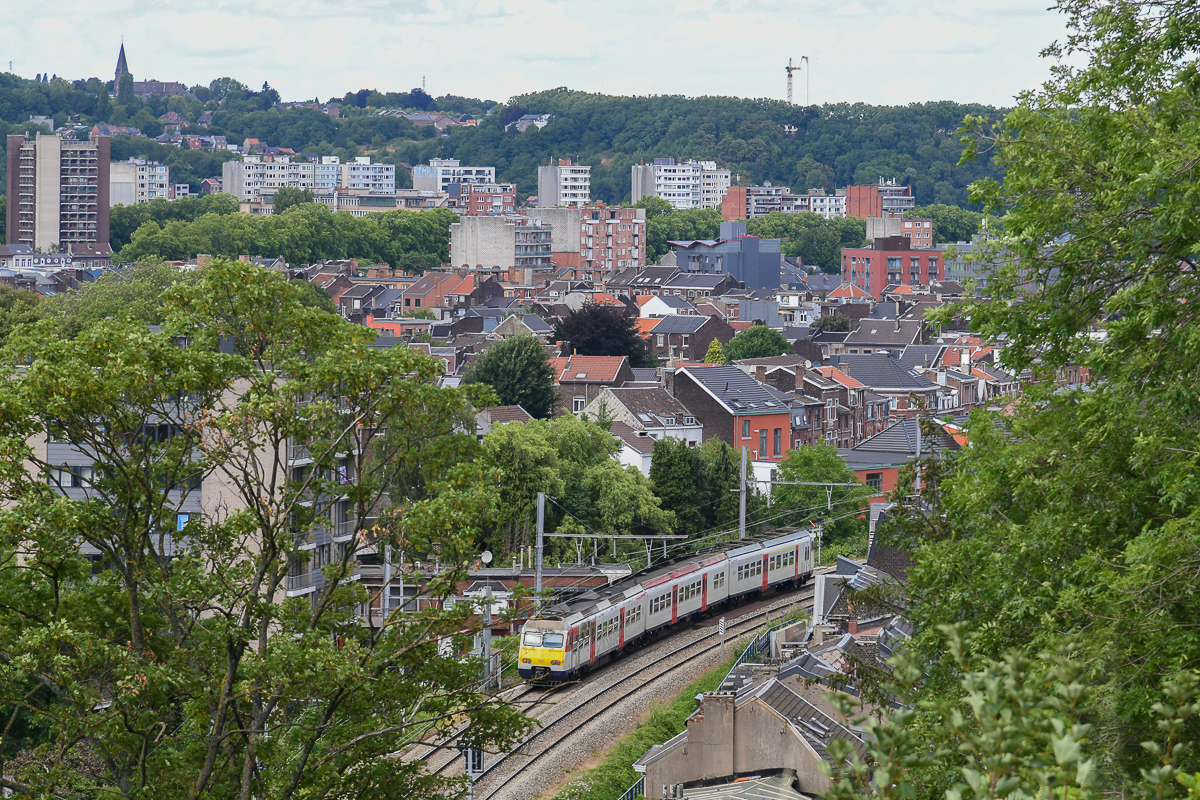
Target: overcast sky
{"x":875,"y":51}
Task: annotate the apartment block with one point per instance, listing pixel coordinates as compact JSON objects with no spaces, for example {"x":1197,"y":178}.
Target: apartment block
{"x":358,"y":173}
{"x":878,"y":200}
{"x":254,"y":176}
{"x":138,"y":181}
{"x":58,"y":191}
{"x":683,"y":184}
{"x":564,"y":184}
{"x":891,"y":261}
{"x":483,"y":199}
{"x":596,"y":240}
{"x":752,"y":202}
{"x":441,"y":172}
{"x":502,"y":242}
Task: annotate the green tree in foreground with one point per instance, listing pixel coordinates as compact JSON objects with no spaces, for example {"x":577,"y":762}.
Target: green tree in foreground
{"x":518,"y":370}
{"x":757,"y":341}
{"x":677,"y":477}
{"x":17,"y":307}
{"x":715,"y":354}
{"x":177,"y":665}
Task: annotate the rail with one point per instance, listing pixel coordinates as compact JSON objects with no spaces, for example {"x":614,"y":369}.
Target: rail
{"x":637,"y":790}
{"x":607,"y":706}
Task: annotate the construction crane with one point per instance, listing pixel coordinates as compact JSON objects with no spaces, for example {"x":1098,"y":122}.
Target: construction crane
{"x":790,"y":69}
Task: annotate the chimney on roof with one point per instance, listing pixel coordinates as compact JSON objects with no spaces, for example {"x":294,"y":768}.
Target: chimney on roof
{"x":760,"y":372}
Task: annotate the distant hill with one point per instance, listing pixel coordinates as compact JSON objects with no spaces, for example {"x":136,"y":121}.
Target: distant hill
{"x":832,"y":145}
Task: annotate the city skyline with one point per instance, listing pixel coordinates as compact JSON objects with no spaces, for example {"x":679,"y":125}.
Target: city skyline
{"x":876,"y":51}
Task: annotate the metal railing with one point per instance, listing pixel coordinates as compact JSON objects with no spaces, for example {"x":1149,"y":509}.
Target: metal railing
{"x":637,"y":790}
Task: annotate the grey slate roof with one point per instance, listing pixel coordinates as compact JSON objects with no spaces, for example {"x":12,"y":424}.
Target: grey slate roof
{"x":536,"y":324}
{"x":642,"y":444}
{"x":922,"y":355}
{"x":738,"y":392}
{"x":880,"y":371}
{"x":646,"y":404}
{"x":815,"y":726}
{"x":885,"y":333}
{"x":680,"y":323}
{"x":675,"y":302}
{"x":645,"y":374}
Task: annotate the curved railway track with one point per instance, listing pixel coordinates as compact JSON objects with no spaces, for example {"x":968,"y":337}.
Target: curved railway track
{"x":668,"y":662}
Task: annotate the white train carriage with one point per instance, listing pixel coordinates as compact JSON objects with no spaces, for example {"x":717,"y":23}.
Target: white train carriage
{"x":603,"y":622}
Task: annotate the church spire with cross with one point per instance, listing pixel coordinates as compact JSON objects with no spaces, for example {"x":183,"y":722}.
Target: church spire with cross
{"x":122,"y":68}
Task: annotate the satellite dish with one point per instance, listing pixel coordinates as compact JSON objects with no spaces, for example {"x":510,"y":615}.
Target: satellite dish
{"x":486,"y":556}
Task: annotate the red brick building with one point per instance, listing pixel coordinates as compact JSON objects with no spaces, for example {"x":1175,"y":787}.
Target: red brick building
{"x":891,"y":262}
{"x":611,"y":238}
{"x":487,"y":199}
{"x":735,"y":407}
{"x":878,"y":200}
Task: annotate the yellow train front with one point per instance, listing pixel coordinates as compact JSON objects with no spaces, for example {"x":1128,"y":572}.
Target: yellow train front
{"x":543,"y":654}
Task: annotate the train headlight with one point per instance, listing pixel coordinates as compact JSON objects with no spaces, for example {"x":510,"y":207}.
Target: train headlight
{"x":554,"y":662}
{"x":526,"y":661}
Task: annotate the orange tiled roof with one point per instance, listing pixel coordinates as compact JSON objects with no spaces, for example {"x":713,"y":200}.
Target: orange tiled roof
{"x":741,"y":325}
{"x":644,"y":326}
{"x":590,"y":369}
{"x":848,"y":290}
{"x":835,"y":374}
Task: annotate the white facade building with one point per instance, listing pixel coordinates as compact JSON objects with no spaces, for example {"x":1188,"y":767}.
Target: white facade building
{"x":827,"y":205}
{"x":683,"y":184}
{"x":441,"y":172}
{"x":360,"y":173}
{"x":137,"y":181}
{"x":564,"y":184}
{"x":254,"y":176}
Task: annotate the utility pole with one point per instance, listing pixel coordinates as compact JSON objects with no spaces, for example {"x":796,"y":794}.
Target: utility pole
{"x":541,"y":529}
{"x":742,"y":499}
{"x":807,"y":70}
{"x":487,"y":637}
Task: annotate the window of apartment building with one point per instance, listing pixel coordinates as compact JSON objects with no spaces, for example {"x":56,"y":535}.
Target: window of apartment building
{"x":777,"y":444}
{"x":831,"y":409}
{"x":762,"y":442}
{"x":577,"y":404}
{"x":689,"y":420}
{"x":660,"y":340}
{"x":685,"y":340}
{"x":875,"y":481}
{"x":181,"y":521}
{"x":745,"y":429}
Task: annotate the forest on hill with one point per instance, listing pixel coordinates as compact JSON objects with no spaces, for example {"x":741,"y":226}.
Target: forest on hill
{"x":759,"y":140}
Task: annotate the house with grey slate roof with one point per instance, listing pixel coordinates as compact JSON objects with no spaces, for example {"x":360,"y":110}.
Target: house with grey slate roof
{"x":885,"y":375}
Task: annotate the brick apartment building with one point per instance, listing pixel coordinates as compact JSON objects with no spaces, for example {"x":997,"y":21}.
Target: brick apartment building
{"x":483,"y":199}
{"x":58,"y":191}
{"x":891,"y":261}
{"x":878,"y":200}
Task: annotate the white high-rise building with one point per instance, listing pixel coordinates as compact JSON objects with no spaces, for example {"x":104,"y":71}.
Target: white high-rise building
{"x":441,"y":172}
{"x":137,"y":181}
{"x":683,"y":184}
{"x":254,"y":176}
{"x":564,"y":184}
{"x":360,"y":173}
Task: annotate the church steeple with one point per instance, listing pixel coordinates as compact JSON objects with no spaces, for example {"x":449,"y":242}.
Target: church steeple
{"x":122,"y":68}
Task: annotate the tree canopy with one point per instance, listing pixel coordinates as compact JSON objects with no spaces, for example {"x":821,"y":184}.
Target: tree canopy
{"x":518,"y":370}
{"x":596,"y":330}
{"x":757,"y":341}
{"x":950,"y":223}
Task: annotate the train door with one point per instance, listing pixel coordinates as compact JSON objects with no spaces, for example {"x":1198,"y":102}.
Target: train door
{"x":704,"y":594}
{"x":592,"y":636}
{"x":621,"y":635}
{"x":796,"y":577}
{"x":674,"y":604}
{"x":766,"y":576}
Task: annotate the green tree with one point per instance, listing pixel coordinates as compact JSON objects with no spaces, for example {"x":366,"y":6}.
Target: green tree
{"x":596,"y":330}
{"x":722,"y":477}
{"x":655,"y":206}
{"x":837,"y":321}
{"x":135,"y":294}
{"x":17,"y":307}
{"x":757,"y":341}
{"x":715,"y":354}
{"x":313,"y":296}
{"x":518,"y":370}
{"x":838,"y":507}
{"x":287,"y":197}
{"x":676,"y":476}
{"x":187,"y":641}
{"x":950,"y":223}
{"x":125,"y":95}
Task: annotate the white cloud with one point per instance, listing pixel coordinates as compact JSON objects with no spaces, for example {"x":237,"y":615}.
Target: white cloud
{"x":878,"y":51}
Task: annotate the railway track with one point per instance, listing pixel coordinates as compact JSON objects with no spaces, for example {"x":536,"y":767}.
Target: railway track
{"x":580,"y":715}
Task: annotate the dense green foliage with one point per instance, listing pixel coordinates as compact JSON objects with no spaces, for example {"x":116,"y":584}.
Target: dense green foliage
{"x":587,"y":490}
{"x":837,"y":321}
{"x":697,"y":484}
{"x":167,"y":659}
{"x":818,"y":241}
{"x":834,"y":144}
{"x":716,"y":353}
{"x":1073,"y":527}
{"x":596,"y":330}
{"x":301,"y":235}
{"x":288,"y":197}
{"x":950,"y":223}
{"x":17,"y":307}
{"x":519,"y":372}
{"x":134,"y":295}
{"x":757,"y":341}
{"x":839,"y":508}
{"x":125,"y":220}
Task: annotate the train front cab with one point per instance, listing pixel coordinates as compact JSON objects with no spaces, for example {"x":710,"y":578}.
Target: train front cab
{"x":542,"y":656}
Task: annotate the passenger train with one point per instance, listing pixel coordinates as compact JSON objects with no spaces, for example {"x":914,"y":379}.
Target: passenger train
{"x":569,"y":638}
